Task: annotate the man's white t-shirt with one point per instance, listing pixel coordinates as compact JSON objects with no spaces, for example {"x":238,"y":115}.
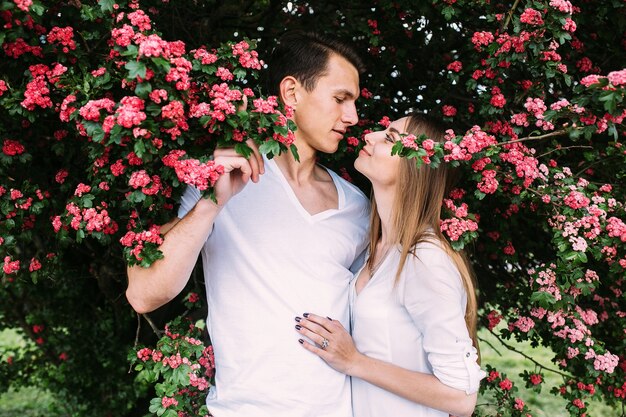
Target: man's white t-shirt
{"x":267,"y":261}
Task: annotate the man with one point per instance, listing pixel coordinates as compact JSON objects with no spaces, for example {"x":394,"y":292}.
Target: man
{"x":275,"y":248}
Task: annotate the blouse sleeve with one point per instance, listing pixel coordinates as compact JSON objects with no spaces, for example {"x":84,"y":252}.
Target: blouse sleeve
{"x":188,"y":201}
{"x":435,"y":298}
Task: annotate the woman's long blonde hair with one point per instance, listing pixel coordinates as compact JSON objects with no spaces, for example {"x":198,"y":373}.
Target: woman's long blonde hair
{"x":417,"y":211}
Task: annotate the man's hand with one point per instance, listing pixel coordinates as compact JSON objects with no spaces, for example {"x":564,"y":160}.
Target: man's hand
{"x":237,"y":171}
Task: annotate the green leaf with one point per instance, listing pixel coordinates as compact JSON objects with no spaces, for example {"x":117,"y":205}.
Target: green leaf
{"x":543,"y":299}
{"x":106,"y":5}
{"x":270,"y":147}
{"x":243,"y":149}
{"x":136,"y":69}
{"x":143,"y":89}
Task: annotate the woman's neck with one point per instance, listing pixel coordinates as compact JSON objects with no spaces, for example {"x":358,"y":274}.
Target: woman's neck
{"x":384,"y":204}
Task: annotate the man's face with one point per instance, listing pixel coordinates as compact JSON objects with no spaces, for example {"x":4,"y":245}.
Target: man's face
{"x":323,"y":114}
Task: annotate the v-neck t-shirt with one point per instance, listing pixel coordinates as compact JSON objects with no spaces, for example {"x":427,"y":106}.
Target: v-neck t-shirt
{"x":267,"y":261}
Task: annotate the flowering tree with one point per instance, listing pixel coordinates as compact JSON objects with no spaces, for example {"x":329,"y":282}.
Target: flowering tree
{"x":110,"y":108}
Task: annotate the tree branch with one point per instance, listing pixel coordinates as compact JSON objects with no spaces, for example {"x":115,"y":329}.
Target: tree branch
{"x":511,"y":348}
{"x":527,"y":138}
{"x":156,"y":331}
{"x":510,"y":15}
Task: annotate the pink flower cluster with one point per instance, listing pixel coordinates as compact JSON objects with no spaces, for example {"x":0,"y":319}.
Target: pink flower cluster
{"x":12,"y":147}
{"x":137,"y":241}
{"x":3,"y":87}
{"x":92,"y":219}
{"x":63,"y":36}
{"x":531,"y":17}
{"x":562,"y":5}
{"x":247,"y":59}
{"x":10,"y":267}
{"x":474,"y":141}
{"x":130,"y":113}
{"x":193,"y":172}
{"x":91,"y":110}
{"x":489,"y":184}
{"x":141,"y":179}
{"x":23,"y":4}
{"x":456,"y":226}
{"x":606,"y":362}
{"x":480,"y":39}
{"x":616,"y":228}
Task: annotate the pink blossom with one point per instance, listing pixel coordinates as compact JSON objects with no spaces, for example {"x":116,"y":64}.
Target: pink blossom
{"x":3,"y":87}
{"x":130,"y":112}
{"x":606,"y":362}
{"x":535,"y":379}
{"x":12,"y":148}
{"x":91,"y":110}
{"x":569,"y":25}
{"x":617,"y":77}
{"x":506,"y":384}
{"x":562,"y":5}
{"x":525,"y":324}
{"x":23,"y":4}
{"x":449,"y":111}
{"x":408,"y":141}
{"x":519,"y":404}
{"x":576,"y":200}
{"x":168,"y":402}
{"x":489,"y":183}
{"x":139,"y":179}
{"x":10,"y":267}
{"x":455,"y":66}
{"x":35,"y":265}
{"x":482,"y":39}
{"x":81,"y":189}
{"x":591,"y":79}
{"x":520,"y":119}
{"x":153,"y":46}
{"x":140,"y":19}
{"x":531,"y":17}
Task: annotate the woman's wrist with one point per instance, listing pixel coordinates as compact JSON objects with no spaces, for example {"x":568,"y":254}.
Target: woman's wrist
{"x":358,"y":365}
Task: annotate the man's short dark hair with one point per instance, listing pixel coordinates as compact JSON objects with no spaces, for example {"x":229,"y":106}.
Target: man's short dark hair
{"x":304,"y":56}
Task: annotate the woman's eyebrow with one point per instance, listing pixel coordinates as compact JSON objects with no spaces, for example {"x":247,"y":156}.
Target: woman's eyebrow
{"x":392,"y":130}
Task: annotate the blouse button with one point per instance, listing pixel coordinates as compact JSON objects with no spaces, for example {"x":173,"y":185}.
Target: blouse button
{"x":467,"y":355}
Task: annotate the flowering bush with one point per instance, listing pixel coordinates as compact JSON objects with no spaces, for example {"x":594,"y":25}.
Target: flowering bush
{"x":108,"y":109}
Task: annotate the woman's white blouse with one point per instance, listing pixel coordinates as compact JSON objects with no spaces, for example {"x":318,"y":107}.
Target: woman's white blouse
{"x":418,"y":324}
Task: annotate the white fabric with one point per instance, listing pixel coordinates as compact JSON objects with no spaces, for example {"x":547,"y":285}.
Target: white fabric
{"x":419,"y":325}
{"x":267,"y":261}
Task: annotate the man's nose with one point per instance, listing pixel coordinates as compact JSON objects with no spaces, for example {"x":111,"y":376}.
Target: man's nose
{"x":350,"y":116}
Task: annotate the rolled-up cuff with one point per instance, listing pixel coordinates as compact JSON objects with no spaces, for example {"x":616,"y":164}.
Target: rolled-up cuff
{"x":459,"y":370}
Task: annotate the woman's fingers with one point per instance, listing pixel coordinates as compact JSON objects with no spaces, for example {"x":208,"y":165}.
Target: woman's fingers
{"x":327,"y":323}
{"x":313,"y":332}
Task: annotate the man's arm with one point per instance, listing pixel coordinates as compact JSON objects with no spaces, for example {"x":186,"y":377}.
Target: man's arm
{"x":150,"y":288}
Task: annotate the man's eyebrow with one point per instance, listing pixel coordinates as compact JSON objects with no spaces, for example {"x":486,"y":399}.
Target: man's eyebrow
{"x":347,"y":93}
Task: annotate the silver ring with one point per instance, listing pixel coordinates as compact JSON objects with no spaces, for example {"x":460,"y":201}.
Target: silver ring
{"x":324,"y":344}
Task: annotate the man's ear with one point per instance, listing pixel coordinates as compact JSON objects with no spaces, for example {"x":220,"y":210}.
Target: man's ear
{"x":288,"y":87}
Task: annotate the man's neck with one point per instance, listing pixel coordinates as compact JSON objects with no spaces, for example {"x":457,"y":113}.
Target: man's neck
{"x":298,"y":171}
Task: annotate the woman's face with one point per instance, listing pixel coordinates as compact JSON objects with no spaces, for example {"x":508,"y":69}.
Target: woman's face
{"x":375,"y":160}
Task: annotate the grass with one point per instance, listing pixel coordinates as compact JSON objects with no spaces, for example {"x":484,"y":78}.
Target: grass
{"x":24,"y":402}
{"x":541,"y":404}
{"x":33,"y":402}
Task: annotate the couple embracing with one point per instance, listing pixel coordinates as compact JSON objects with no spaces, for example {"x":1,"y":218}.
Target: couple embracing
{"x":321,"y":303}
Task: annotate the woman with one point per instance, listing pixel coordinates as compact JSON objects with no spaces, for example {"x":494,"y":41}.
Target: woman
{"x":413,"y":303}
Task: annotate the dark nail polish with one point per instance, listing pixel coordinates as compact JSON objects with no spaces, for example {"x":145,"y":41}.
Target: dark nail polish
{"x":306,"y":314}
{"x":329,"y":318}
{"x":298,"y":319}
{"x":298,"y":327}
{"x":301,"y":341}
